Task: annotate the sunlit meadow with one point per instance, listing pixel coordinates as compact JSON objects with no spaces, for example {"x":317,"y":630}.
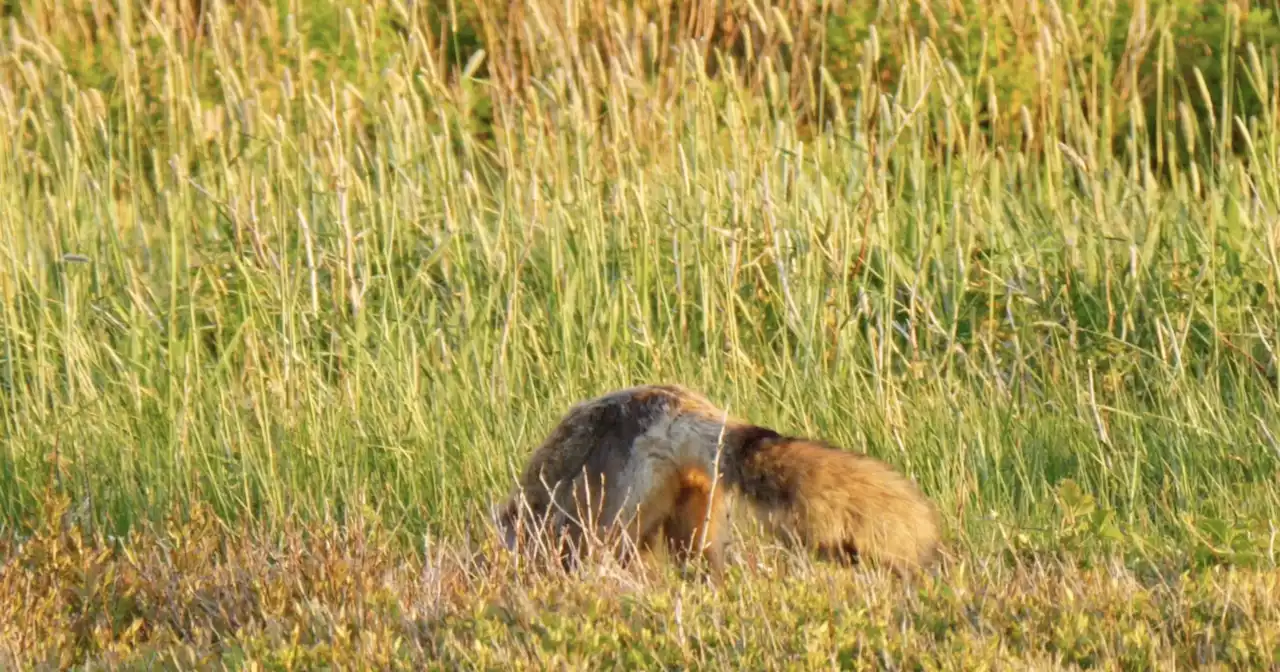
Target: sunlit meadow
{"x":289,"y":290}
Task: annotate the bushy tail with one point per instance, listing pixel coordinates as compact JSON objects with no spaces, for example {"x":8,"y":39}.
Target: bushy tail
{"x":842,"y":505}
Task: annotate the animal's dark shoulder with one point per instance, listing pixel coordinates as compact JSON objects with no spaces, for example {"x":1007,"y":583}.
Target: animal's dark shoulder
{"x":751,"y":438}
{"x":755,"y":471}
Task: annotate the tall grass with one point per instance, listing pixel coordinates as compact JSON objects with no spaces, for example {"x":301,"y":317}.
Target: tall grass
{"x":303,"y":263}
{"x":339,"y":266}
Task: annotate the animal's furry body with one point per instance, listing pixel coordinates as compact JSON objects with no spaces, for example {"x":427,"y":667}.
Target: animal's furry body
{"x":655,"y":461}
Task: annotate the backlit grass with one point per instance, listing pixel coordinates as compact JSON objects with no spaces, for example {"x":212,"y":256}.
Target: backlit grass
{"x":308,"y":268}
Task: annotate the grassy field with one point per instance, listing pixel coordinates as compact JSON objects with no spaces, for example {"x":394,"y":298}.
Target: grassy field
{"x":288,"y":293}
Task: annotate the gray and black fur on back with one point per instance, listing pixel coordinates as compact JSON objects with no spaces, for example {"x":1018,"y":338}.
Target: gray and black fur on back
{"x":593,"y":438}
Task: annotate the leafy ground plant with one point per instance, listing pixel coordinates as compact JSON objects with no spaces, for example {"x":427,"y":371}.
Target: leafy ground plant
{"x":193,"y":594}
